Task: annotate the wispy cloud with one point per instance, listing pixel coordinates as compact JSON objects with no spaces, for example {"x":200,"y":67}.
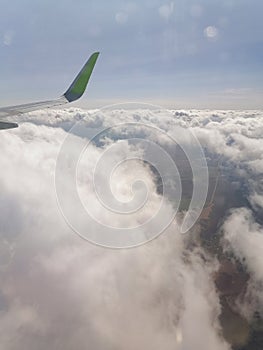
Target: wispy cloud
{"x":8,"y":37}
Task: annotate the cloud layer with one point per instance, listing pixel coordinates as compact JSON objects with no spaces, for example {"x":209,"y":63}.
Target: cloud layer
{"x":58,"y":291}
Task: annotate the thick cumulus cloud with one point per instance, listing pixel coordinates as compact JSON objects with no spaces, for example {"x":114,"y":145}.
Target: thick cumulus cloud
{"x":59,"y":291}
{"x":244,"y":237}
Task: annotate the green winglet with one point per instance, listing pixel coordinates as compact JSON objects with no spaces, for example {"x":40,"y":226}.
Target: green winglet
{"x":77,"y":88}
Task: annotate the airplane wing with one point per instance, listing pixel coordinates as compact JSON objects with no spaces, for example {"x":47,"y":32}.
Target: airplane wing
{"x":74,"y":92}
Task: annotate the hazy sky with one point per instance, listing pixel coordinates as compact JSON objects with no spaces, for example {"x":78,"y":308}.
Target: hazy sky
{"x":182,"y":53}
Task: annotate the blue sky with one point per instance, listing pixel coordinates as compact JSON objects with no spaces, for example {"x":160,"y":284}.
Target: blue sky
{"x":180,"y":54}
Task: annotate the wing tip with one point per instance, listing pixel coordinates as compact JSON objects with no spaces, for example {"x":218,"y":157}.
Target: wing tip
{"x":78,"y":87}
{"x":7,"y":125}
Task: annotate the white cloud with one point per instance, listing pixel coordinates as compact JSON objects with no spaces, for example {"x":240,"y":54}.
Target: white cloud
{"x":244,"y":237}
{"x":60,"y":289}
{"x":236,"y":135}
{"x":162,"y":287}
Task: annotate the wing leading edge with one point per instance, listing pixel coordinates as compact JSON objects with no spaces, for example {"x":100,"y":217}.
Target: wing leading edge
{"x":74,"y":92}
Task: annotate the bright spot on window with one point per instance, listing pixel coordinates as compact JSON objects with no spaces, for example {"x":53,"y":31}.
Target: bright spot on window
{"x":211,"y":32}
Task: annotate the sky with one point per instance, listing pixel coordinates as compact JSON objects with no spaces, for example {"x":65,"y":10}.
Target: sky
{"x":178,"y":54}
{"x":57,"y":289}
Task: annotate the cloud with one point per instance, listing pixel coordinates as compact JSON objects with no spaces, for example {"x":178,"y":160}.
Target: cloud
{"x":59,"y":289}
{"x":234,"y":135}
{"x":8,"y":38}
{"x":244,"y":237}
